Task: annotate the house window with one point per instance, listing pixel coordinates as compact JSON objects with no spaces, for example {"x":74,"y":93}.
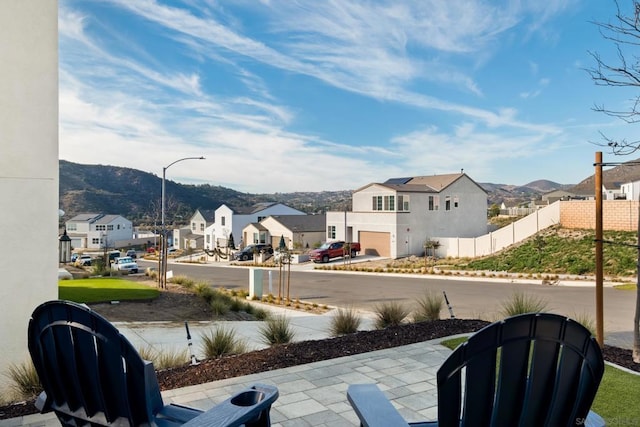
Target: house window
{"x":72,"y":227}
{"x":101,"y":227}
{"x":119,"y":227}
{"x":434,"y":203}
{"x":389,"y":203}
{"x":377,"y":203}
{"x":110,"y":227}
{"x":447,"y":203}
{"x":260,"y":218}
{"x":455,"y":201}
{"x":403,"y":203}
{"x":208,"y":238}
{"x":331,"y":232}
{"x":260,"y":237}
{"x":222,"y":221}
{"x":96,"y":241}
{"x":193,"y":226}
{"x":201,"y":227}
{"x":384,"y":203}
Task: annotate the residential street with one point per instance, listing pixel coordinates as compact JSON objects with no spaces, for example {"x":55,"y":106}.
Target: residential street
{"x":470,"y":298}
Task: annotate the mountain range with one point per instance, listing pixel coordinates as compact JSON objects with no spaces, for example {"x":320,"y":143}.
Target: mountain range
{"x":136,"y":195}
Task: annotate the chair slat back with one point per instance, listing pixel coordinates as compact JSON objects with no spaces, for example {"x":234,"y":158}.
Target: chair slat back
{"x":532,"y":369}
{"x":88,"y":369}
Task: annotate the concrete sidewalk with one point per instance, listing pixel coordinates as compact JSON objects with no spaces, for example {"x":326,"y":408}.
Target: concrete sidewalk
{"x":171,"y":336}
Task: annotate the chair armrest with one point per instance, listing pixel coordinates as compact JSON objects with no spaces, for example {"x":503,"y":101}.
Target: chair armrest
{"x":43,"y":403}
{"x":372,"y":407}
{"x":250,"y":405}
{"x":594,"y":420}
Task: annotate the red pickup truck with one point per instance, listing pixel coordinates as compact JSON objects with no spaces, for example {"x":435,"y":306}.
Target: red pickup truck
{"x":335,"y":249}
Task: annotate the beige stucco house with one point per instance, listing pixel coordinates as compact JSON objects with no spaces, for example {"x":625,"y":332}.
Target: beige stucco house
{"x":395,"y":218}
{"x":299,"y":231}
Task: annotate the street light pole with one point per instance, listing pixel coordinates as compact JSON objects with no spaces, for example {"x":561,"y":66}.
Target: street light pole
{"x":162,"y":276}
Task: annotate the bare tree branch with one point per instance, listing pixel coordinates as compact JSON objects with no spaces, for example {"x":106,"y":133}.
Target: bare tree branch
{"x":624,"y":33}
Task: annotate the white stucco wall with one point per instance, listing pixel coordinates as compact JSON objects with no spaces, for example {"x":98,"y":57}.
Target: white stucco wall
{"x":29,"y":165}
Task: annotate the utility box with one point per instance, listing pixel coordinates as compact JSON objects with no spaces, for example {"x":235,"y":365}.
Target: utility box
{"x":255,"y":283}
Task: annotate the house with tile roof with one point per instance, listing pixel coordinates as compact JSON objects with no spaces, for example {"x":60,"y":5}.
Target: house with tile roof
{"x":396,"y":217}
{"x":98,"y":231}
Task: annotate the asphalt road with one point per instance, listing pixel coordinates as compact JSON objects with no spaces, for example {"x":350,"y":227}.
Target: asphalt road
{"x":470,"y":298}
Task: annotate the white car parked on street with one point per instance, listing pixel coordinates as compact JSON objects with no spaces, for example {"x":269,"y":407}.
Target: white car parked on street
{"x":125,"y":263}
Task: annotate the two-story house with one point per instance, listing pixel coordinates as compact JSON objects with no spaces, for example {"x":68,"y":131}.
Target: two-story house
{"x":229,"y":221}
{"x":98,"y":231}
{"x":395,"y":218}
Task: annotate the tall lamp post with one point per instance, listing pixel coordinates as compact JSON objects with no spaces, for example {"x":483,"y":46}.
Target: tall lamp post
{"x":162,"y":276}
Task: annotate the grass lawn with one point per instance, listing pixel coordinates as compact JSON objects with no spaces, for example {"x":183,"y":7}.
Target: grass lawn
{"x":104,"y":290}
{"x":617,"y":398}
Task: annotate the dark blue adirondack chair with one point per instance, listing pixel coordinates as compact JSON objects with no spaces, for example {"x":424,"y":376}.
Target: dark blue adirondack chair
{"x":92,"y":375}
{"x":536,"y":369}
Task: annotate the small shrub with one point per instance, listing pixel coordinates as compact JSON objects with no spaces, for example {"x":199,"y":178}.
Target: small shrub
{"x":345,"y":321}
{"x":219,"y":307}
{"x":24,"y":381}
{"x":260,"y":313}
{"x":185,"y":281}
{"x":171,"y":358}
{"x":248,"y":308}
{"x":585,"y":320}
{"x":221,"y":341}
{"x":428,"y":307}
{"x":236,"y":305}
{"x":276,"y":330}
{"x":164,"y":359}
{"x":389,"y":314}
{"x":520,"y":303}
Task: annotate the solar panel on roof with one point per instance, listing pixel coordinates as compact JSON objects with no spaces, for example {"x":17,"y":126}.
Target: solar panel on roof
{"x":398,"y":180}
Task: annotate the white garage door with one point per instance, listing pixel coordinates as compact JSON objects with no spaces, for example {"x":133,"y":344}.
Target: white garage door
{"x":375,"y":243}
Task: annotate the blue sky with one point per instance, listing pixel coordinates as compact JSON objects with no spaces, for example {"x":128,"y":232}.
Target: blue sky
{"x":284,"y":95}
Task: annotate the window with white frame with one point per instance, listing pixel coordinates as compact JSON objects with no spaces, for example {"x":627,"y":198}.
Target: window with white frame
{"x":447,"y":203}
{"x":193,"y":226}
{"x":96,"y":241}
{"x":377,"y":203}
{"x":72,"y":226}
{"x":389,"y":203}
{"x":110,"y":227}
{"x":260,"y":237}
{"x":383,"y":203}
{"x":222,"y":221}
{"x":331,"y":232}
{"x":202,"y":227}
{"x":101,"y":227}
{"x":455,"y":201}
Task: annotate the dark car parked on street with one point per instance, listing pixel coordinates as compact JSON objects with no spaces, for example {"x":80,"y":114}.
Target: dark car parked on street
{"x":247,"y":252}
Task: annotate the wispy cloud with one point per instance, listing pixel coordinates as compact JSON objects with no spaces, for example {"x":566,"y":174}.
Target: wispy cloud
{"x":206,"y":90}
